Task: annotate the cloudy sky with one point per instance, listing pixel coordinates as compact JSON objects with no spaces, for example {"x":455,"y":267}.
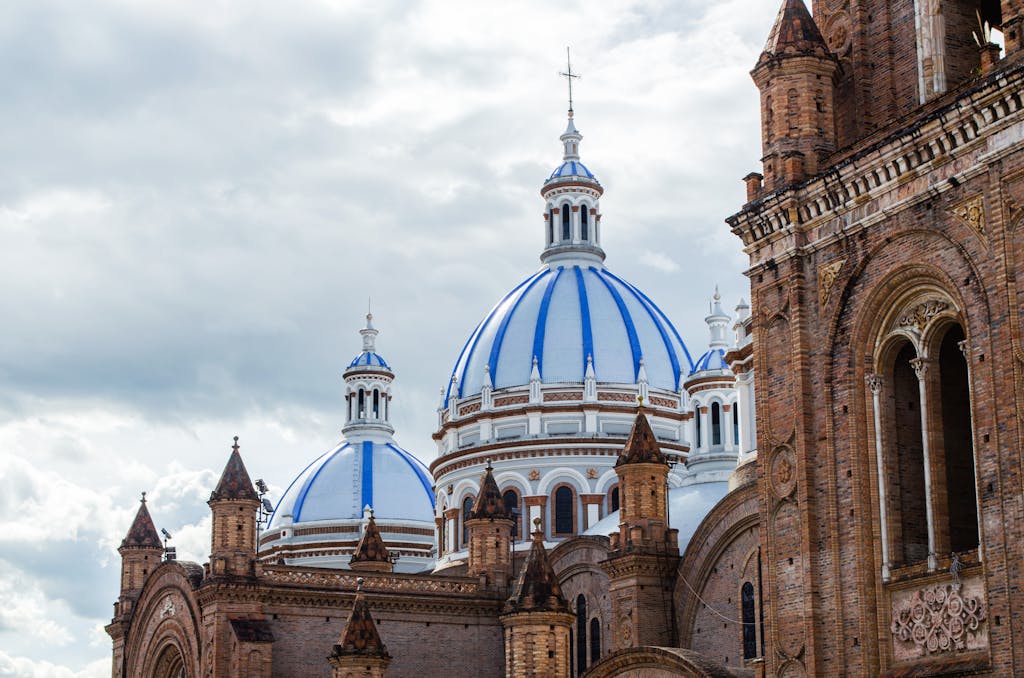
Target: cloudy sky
{"x":197,"y":197}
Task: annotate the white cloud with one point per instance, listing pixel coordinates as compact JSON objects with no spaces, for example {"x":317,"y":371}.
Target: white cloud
{"x":24,"y":667}
{"x":189,"y":242}
{"x":25,"y":608}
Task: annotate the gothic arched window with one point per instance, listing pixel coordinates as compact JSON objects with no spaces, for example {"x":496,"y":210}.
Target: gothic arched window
{"x":613,"y":500}
{"x":361,"y":412}
{"x":467,"y":506}
{"x":595,"y":640}
{"x":581,"y":634}
{"x":960,"y":497}
{"x":564,"y":503}
{"x":906,"y":464}
{"x":584,"y":223}
{"x":749,"y":622}
{"x":551,"y":226}
{"x":510,"y":499}
{"x":566,"y":227}
{"x":716,"y":424}
{"x":376,"y":404}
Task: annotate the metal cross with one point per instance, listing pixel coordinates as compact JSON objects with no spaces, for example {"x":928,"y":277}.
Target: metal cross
{"x":569,"y":75}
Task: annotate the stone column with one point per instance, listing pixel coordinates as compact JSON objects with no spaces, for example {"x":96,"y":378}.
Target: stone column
{"x":920,"y":366}
{"x":875,"y":383}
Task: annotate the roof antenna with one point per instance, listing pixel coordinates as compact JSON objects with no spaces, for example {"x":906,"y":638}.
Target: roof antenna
{"x":569,"y":76}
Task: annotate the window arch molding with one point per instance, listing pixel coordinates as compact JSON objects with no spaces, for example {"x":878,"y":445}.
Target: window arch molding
{"x":917,"y":388}
{"x":563,"y":514}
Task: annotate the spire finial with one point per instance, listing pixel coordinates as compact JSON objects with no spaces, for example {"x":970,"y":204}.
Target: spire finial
{"x":640,"y":402}
{"x":569,"y":76}
{"x":143,"y":500}
{"x":359,"y":584}
{"x":235,"y":446}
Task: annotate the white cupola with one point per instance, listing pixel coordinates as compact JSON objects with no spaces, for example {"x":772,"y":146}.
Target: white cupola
{"x":368,"y":390}
{"x":572,"y":218}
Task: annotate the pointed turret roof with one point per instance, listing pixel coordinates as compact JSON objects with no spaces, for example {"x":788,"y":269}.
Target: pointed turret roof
{"x":641,"y":446}
{"x":795,"y":32}
{"x":234,"y":481}
{"x":143,"y":532}
{"x":537,"y":588}
{"x":489,"y":503}
{"x":360,"y":636}
{"x":371,"y":548}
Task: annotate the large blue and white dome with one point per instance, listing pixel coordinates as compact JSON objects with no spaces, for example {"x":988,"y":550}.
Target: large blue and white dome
{"x":563,"y":314}
{"x":344,"y":480}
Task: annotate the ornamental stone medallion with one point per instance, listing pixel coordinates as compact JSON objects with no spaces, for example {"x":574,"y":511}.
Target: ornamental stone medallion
{"x":938,"y":619}
{"x":783,"y":472}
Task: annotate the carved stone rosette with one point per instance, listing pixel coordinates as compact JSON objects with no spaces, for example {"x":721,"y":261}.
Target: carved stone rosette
{"x":938,"y":619}
{"x":972,"y":213}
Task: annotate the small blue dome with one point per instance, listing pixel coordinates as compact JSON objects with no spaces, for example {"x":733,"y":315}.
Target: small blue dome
{"x":562,"y":315}
{"x":339,"y":483}
{"x":369,"y":359}
{"x":712,"y":360}
{"x":571,"y":168}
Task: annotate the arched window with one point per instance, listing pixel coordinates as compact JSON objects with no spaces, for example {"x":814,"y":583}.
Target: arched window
{"x":564,"y":504}
{"x":613,"y":500}
{"x":551,"y":226}
{"x":595,"y":640}
{"x":906,"y":463}
{"x":511,"y":500}
{"x":584,"y":223}
{"x":362,"y":404}
{"x":696,"y":423}
{"x":716,"y":424}
{"x":376,"y":404}
{"x":736,"y":424}
{"x":960,"y":496}
{"x":749,"y":622}
{"x":581,"y":634}
{"x":566,"y":228}
{"x":467,"y":506}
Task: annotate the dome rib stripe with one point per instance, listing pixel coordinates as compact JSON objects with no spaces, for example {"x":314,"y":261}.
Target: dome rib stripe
{"x":673,"y":358}
{"x":428,"y":485}
{"x":627,"y":320}
{"x":472,"y":336}
{"x":542,"y":321}
{"x":661,"y":313}
{"x":480,"y":328}
{"x":499,"y":337}
{"x":366,"y":472}
{"x":588,"y":332}
{"x":292,"y":484}
{"x":297,"y":511}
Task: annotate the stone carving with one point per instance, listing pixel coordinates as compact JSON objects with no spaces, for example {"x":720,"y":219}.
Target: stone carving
{"x":972,"y":213}
{"x":534,"y":474}
{"x":168,"y":609}
{"x":874,"y":382}
{"x":938,"y":619}
{"x":591,"y":473}
{"x":920,"y":366}
{"x":827,"y":275}
{"x":919,"y":316}
{"x":783,"y":472}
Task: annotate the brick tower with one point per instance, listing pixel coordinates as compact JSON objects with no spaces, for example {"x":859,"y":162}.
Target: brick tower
{"x":490,"y":534}
{"x":796,"y":74}
{"x":537,"y":619}
{"x":141,"y":552}
{"x":645,"y":551}
{"x":234,"y":504}
{"x":371,"y":555}
{"x":360,"y":651}
{"x":887,"y":294}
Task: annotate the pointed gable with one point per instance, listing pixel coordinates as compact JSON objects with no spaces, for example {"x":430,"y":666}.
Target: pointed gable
{"x":234,"y":481}
{"x":641,"y":446}
{"x":537,"y":588}
{"x":371,"y":548}
{"x":143,"y":532}
{"x":489,"y":503}
{"x":795,"y":32}
{"x":360,"y":636}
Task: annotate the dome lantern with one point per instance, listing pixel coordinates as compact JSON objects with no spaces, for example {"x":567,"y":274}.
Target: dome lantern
{"x":368,"y":389}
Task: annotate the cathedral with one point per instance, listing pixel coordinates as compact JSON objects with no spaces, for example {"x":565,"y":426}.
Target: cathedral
{"x":830,"y":487}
